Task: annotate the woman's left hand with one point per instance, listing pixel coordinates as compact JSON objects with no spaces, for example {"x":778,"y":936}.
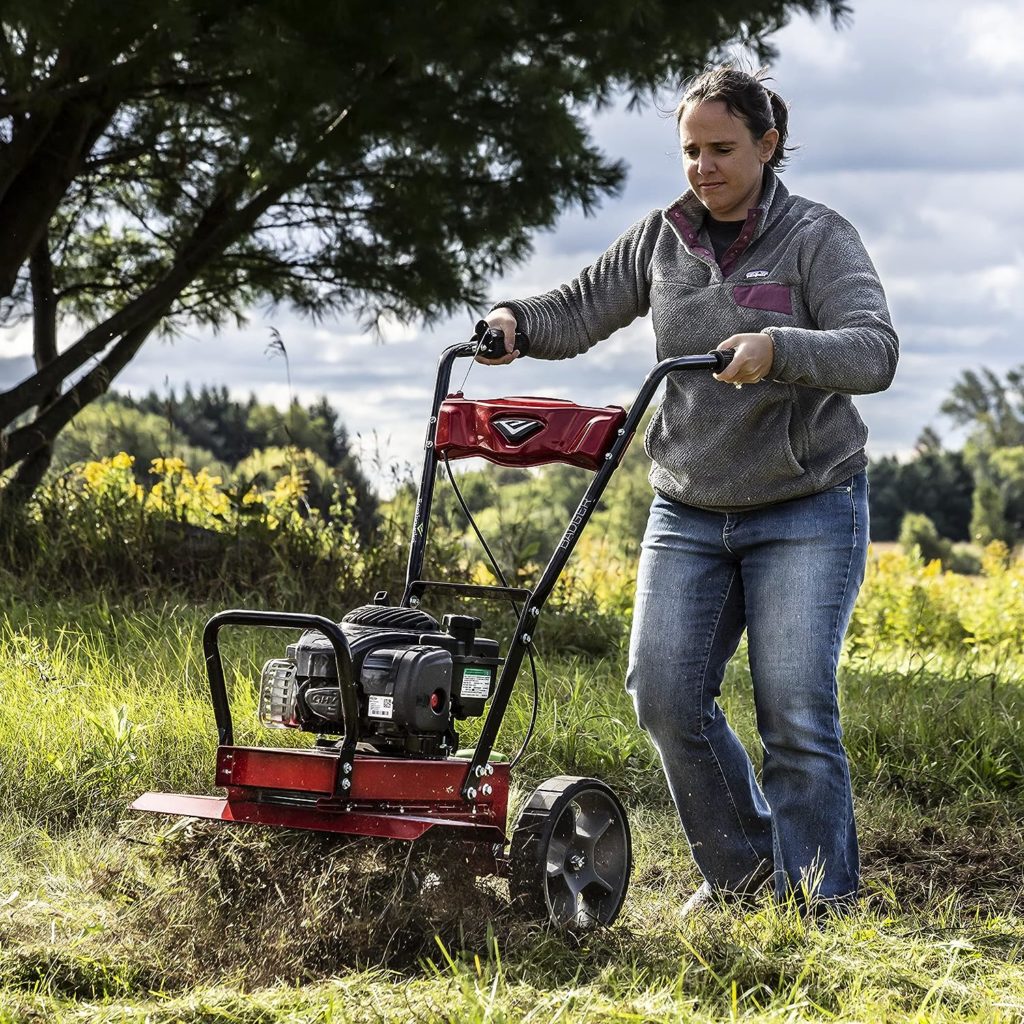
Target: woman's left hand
{"x":753,"y":360}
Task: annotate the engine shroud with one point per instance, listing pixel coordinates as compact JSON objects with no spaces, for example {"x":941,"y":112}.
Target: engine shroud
{"x":413,"y":683}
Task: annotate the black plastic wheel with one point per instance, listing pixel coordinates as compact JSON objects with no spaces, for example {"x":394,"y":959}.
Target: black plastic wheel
{"x":571,"y":854}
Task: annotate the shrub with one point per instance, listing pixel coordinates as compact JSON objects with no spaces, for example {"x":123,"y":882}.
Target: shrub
{"x":905,"y":603}
{"x":918,"y":531}
{"x":97,"y":526}
{"x":915,"y":606}
{"x":964,"y":561}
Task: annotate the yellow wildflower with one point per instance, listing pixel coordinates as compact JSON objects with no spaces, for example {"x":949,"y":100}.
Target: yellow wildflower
{"x":94,"y":474}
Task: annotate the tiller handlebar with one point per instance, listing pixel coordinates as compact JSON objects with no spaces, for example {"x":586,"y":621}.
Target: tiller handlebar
{"x":491,"y":342}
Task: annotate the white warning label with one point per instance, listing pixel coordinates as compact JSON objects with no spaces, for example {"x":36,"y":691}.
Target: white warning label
{"x":381,"y":707}
{"x":476,"y":682}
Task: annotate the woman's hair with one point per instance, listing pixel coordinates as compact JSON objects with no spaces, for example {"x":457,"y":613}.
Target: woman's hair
{"x":744,"y":96}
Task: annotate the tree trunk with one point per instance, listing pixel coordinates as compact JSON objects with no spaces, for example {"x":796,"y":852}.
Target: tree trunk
{"x":35,"y":192}
{"x":30,"y":472}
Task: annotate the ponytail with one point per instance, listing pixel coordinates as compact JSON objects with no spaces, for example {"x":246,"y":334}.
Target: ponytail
{"x":780,"y":115}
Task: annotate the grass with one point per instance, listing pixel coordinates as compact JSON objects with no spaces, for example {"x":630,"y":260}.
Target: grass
{"x":109,"y":916}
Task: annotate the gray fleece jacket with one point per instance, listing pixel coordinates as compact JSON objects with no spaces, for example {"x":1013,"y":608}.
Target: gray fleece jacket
{"x":798,"y":271}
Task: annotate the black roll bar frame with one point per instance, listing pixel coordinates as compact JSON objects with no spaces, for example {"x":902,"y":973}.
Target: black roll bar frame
{"x":284,"y":620}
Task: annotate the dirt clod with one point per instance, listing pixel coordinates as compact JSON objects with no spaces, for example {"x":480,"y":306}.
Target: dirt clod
{"x":278,"y":905}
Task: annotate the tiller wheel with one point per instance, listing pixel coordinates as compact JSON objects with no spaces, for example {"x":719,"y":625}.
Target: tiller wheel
{"x":571,"y":853}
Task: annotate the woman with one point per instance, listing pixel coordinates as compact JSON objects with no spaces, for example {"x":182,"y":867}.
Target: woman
{"x":760,"y":517}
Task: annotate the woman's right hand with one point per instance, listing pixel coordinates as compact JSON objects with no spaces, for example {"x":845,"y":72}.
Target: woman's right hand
{"x":502,"y":319}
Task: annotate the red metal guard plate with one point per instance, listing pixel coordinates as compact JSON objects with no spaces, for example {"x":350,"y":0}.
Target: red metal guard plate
{"x":304,"y":771}
{"x":380,"y":779}
{"x":578,"y":435}
{"x":399,"y":798}
{"x":353,"y":823}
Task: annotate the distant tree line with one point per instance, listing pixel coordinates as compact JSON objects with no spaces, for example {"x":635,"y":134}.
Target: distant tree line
{"x":231,"y":430}
{"x":934,"y":482}
{"x":975,"y":494}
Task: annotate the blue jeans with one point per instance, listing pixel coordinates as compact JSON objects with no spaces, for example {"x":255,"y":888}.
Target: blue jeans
{"x":789,"y":574}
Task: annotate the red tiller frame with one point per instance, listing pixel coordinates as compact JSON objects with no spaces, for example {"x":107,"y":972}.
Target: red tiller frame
{"x":397,"y":798}
{"x":335,"y":789}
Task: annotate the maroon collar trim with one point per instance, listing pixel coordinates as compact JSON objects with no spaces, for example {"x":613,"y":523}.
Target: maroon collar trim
{"x":682,"y":222}
{"x":688,"y":211}
{"x":732,"y":255}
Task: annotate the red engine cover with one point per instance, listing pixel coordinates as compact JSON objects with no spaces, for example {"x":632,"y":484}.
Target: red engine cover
{"x":526,"y":431}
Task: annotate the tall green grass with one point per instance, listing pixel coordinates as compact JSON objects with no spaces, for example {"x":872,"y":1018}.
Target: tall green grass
{"x":108,"y":915}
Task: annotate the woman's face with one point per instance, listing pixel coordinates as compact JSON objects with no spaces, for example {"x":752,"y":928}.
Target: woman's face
{"x":722,"y":160}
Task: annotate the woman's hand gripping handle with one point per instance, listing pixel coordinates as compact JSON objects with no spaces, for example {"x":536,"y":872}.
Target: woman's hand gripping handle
{"x":499,"y":339}
{"x":753,"y":356}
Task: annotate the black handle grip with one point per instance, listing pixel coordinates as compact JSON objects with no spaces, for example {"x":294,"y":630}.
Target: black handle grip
{"x":723,"y":357}
{"x":490,"y":341}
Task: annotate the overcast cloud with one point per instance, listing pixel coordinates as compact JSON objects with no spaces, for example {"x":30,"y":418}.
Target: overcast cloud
{"x":910,"y":125}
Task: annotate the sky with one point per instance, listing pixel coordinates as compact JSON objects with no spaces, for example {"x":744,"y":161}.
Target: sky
{"x":910,"y":122}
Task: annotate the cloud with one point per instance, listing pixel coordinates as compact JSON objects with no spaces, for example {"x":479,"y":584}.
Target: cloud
{"x":994,"y":42}
{"x":812,"y":46}
{"x":14,"y":368}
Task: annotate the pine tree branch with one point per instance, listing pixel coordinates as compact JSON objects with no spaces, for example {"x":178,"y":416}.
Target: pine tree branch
{"x":217,"y":229}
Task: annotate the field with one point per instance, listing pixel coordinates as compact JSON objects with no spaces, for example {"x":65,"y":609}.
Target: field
{"x":106,"y":915}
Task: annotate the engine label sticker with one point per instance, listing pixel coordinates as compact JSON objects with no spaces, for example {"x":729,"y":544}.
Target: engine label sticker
{"x":381,"y":707}
{"x":476,"y":682}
